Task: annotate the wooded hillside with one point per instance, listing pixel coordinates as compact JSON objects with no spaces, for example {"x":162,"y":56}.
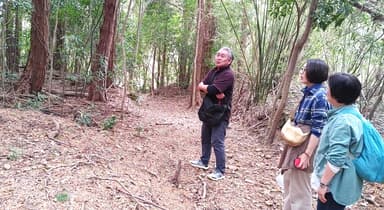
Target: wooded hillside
{"x":65,"y":58}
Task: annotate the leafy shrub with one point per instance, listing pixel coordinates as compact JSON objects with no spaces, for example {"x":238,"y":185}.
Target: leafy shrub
{"x":14,"y":154}
{"x":36,"y":102}
{"x":83,"y":119}
{"x":62,"y":197}
{"x":109,"y":123}
{"x":11,"y":76}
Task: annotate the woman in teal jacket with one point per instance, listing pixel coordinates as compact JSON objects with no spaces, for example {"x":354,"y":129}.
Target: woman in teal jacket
{"x":340,"y":142}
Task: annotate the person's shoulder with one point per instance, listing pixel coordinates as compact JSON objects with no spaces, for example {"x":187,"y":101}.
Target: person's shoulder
{"x":319,"y":92}
{"x":230,"y":70}
{"x":347,"y":119}
{"x":229,"y":73}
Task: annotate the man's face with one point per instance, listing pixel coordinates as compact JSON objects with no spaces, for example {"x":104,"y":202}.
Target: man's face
{"x":222,"y":58}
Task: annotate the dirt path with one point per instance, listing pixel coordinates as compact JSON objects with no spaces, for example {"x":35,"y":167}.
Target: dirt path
{"x":131,"y":167}
{"x":176,"y":134}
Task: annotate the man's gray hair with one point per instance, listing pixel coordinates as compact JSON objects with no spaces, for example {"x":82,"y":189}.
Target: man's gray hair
{"x":229,"y":52}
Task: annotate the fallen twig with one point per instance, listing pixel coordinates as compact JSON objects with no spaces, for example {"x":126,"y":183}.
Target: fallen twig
{"x":370,"y":200}
{"x":163,"y":123}
{"x":256,"y":125}
{"x":151,"y":173}
{"x":126,"y":191}
{"x":73,"y":166}
{"x":204,"y":190}
{"x":53,"y":135}
{"x":204,"y":185}
{"x":59,"y":142}
{"x":175,"y":179}
{"x":57,"y":130}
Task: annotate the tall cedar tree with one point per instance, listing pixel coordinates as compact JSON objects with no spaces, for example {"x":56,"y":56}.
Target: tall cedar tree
{"x":103,"y":57}
{"x":33,"y":77}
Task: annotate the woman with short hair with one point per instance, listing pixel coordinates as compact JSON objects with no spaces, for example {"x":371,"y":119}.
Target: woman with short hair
{"x":311,"y":112}
{"x":340,"y":142}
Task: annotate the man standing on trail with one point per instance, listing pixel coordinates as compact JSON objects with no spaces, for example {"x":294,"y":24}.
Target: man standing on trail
{"x":218,"y":86}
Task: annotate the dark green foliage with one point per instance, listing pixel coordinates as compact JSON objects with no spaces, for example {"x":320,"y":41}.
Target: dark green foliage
{"x":327,"y":12}
{"x":281,"y":8}
{"x":11,"y":76}
{"x":109,"y":123}
{"x":83,"y":118}
{"x":14,"y":154}
{"x":331,"y":11}
{"x":36,"y":102}
{"x":22,"y":4}
{"x":62,"y":197}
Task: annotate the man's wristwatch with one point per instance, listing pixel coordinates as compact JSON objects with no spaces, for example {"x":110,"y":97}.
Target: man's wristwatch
{"x":322,"y":185}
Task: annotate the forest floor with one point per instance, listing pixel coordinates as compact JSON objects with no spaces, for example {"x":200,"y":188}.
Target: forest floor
{"x":52,"y":162}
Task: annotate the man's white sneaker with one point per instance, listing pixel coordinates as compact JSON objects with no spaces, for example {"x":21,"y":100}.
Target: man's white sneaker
{"x":217,"y":175}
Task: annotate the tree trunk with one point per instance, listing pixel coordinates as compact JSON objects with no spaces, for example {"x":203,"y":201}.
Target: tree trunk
{"x":153,"y":72}
{"x":158,"y":69}
{"x":53,"y":49}
{"x":111,"y":63}
{"x":183,"y":78}
{"x":182,"y":74}
{"x":18,"y":28}
{"x":125,"y":71}
{"x":138,"y":34}
{"x":379,"y":98}
{"x":110,"y":71}
{"x":183,"y":50}
{"x":99,"y":67}
{"x":2,"y":43}
{"x":209,"y":35}
{"x":243,"y":42}
{"x":33,"y":77}
{"x":297,"y":48}
{"x":163,"y":66}
{"x":195,"y":97}
{"x":10,"y":29}
{"x":58,"y":60}
{"x":205,"y":32}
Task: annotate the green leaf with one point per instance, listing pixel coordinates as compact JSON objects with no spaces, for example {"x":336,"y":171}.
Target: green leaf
{"x":62,"y":197}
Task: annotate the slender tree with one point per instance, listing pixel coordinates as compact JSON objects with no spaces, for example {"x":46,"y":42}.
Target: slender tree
{"x":297,"y":48}
{"x":58,"y":57}
{"x":11,"y":35}
{"x":125,"y":71}
{"x":153,"y":72}
{"x":18,"y":29}
{"x":110,"y":70}
{"x":184,"y":47}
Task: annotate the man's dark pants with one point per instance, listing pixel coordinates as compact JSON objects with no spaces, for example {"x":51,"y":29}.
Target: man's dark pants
{"x":214,"y":137}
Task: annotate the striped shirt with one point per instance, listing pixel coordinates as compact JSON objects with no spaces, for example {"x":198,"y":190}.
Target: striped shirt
{"x":313,"y":108}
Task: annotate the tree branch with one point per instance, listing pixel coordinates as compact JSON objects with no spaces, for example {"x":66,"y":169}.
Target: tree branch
{"x":375,"y":15}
